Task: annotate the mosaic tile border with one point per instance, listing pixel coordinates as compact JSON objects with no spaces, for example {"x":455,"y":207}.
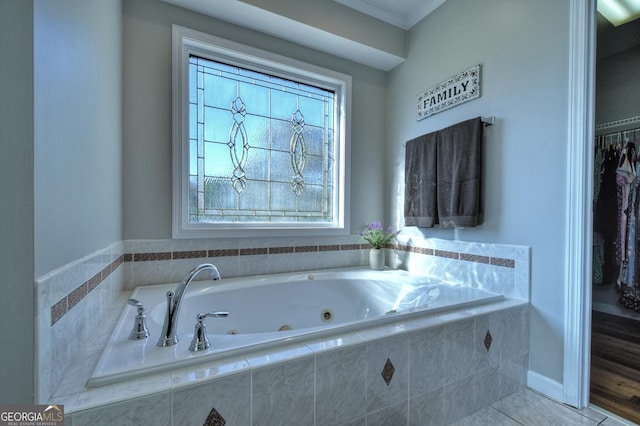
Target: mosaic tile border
{"x":59,"y":309}
{"x":64,"y":305}
{"x":142,"y":257}
{"x":476,"y":258}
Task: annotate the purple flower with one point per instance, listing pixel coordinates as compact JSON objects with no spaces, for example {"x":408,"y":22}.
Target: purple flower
{"x":375,"y":236}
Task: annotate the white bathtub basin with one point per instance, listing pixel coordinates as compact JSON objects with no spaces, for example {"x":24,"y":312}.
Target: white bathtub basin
{"x":306,"y":304}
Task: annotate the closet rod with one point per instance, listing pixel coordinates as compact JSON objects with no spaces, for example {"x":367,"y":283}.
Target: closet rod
{"x":618,"y":123}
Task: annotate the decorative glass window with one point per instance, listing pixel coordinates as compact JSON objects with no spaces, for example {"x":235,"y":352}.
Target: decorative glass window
{"x":259,"y":142}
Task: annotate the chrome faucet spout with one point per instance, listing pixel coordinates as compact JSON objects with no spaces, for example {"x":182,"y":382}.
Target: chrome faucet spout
{"x":169,"y":334}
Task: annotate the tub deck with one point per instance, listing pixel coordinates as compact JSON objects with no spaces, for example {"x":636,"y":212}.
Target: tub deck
{"x":312,"y":304}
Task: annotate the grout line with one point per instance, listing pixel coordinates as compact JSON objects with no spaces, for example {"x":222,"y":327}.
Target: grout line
{"x":609,"y":415}
{"x":557,"y":403}
{"x":506,"y":415}
{"x":575,"y":410}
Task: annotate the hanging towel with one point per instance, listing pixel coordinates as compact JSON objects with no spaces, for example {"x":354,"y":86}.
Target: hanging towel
{"x":420,"y":181}
{"x":459,"y":171}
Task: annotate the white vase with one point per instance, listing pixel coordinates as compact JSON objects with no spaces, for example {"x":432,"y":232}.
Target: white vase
{"x":376,"y":259}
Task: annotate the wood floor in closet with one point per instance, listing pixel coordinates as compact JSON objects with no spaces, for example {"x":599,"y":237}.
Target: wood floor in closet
{"x":615,"y":365}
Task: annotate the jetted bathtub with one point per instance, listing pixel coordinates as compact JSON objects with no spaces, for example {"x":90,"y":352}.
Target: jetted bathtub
{"x":271,"y":310}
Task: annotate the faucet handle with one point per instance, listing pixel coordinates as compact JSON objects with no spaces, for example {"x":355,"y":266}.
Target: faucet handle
{"x":140,"y":330}
{"x":219,"y":314}
{"x":136,"y":303}
{"x":200,"y":341}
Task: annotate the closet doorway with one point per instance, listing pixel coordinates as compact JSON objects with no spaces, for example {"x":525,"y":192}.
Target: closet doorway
{"x":615,"y":329}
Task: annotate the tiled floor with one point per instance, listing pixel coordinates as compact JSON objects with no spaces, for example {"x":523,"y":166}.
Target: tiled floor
{"x":529,"y":408}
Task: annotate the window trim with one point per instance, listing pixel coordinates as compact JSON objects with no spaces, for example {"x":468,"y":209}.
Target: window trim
{"x":187,"y":42}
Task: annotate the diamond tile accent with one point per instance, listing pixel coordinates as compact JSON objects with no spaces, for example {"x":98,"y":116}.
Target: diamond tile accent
{"x":487,"y":340}
{"x":214,"y":419}
{"x":387,"y":371}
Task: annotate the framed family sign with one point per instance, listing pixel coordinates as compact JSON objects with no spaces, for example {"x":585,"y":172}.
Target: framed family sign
{"x":454,"y":91}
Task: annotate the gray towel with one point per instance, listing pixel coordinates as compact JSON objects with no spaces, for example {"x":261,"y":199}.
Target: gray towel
{"x":459,"y":174}
{"x":420,"y":181}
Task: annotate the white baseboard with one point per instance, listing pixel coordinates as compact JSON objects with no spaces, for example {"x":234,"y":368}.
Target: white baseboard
{"x":545,"y":386}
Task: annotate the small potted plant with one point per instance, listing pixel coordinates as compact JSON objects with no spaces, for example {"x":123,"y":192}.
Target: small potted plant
{"x":378,"y":238}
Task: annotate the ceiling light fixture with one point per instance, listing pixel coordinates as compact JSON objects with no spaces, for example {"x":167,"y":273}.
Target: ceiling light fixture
{"x":619,"y":12}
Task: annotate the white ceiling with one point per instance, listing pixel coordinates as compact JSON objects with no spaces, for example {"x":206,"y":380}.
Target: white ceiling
{"x":401,"y":13}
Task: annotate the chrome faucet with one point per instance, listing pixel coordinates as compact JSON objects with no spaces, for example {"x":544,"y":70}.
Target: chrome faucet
{"x":140,"y":330}
{"x":169,"y":334}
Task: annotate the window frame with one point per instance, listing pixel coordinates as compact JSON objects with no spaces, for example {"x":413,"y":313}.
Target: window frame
{"x":188,"y":42}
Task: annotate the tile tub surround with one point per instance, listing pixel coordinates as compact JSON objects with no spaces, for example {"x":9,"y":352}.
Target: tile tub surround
{"x":499,"y":268}
{"x":430,"y":370}
{"x":71,"y":302}
{"x":67,"y":297}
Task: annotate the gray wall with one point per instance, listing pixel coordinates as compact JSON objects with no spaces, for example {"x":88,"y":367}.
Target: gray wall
{"x":60,"y":156}
{"x":92,"y":189}
{"x":618,"y":86}
{"x":147,"y":115}
{"x":525,"y":86}
{"x":16,"y":207}
{"x":78,"y":130}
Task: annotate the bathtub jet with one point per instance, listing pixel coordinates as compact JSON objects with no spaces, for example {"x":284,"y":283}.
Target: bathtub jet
{"x":169,"y":336}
